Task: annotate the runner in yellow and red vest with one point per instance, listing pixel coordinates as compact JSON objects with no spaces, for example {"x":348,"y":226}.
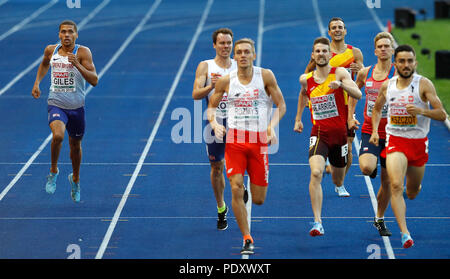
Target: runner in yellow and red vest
{"x":351,"y":58}
{"x":324,"y":88}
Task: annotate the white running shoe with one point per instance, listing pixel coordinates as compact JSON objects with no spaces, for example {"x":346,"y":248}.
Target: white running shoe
{"x":341,"y":191}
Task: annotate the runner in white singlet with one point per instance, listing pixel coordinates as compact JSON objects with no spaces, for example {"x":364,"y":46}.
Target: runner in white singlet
{"x":408,"y":97}
{"x":251,"y":93}
{"x":206,"y":76}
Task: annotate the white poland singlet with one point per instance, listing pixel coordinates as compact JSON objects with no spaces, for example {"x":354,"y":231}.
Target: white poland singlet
{"x":400,"y":122}
{"x":249,"y":106}
{"x":67,"y":85}
{"x":215,"y":70}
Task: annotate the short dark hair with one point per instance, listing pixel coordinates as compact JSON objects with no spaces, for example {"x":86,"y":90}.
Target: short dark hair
{"x":69,"y":22}
{"x":335,"y":19}
{"x":223,"y":31}
{"x":321,"y":40}
{"x":406,"y":48}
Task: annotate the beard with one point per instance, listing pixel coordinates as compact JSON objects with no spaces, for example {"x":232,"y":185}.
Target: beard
{"x":323,"y":64}
{"x":405,"y":76}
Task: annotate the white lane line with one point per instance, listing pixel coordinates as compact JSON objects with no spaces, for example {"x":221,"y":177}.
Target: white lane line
{"x":319,"y":18}
{"x":373,"y":199}
{"x":24,"y":22}
{"x":3,"y":2}
{"x":49,"y":137}
{"x":25,"y":167}
{"x":116,"y":216}
{"x":39,"y":59}
{"x":260,"y":33}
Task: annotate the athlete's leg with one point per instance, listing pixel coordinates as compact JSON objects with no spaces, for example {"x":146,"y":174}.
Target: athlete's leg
{"x":75,"y":156}
{"x":58,"y":129}
{"x":350,"y":154}
{"x":384,"y":193}
{"x":338,"y":175}
{"x":317,"y":164}
{"x":367,"y":163}
{"x":218,"y":181}
{"x":396,"y":165}
{"x":258,"y":193}
{"x":414,"y":176}
{"x":237,"y":202}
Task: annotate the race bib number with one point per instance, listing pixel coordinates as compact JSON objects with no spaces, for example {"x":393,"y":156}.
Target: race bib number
{"x":371,"y":98}
{"x":312,"y":141}
{"x":403,"y":121}
{"x":222,"y":107}
{"x":344,"y":150}
{"x":324,"y":107}
{"x":63,"y":82}
{"x":399,"y":117}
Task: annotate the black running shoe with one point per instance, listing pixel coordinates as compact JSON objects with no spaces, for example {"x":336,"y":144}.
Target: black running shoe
{"x":381,"y":227}
{"x":245,"y":194}
{"x":374,"y":173}
{"x":248,"y":247}
{"x":222,"y":223}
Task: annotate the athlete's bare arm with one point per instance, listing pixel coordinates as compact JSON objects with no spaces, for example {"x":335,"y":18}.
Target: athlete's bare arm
{"x":200,"y":90}
{"x":359,"y":61}
{"x":428,"y":94}
{"x":376,"y":113}
{"x":42,"y":70}
{"x":360,"y":81}
{"x":344,"y":80}
{"x":302,"y":101}
{"x":85,"y":65}
{"x":221,"y":87}
{"x":274,"y":91}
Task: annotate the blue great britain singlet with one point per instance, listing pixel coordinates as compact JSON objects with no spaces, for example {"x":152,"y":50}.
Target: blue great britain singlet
{"x":67,"y":89}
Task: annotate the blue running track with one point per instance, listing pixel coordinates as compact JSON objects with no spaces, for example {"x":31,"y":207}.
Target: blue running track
{"x":143,"y":195}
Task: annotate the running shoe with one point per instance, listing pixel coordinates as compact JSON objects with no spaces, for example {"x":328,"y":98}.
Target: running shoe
{"x":50,"y":187}
{"x":222,"y":223}
{"x":407,"y":241}
{"x":317,"y":229}
{"x":75,"y":192}
{"x":381,"y":227}
{"x":341,"y":191}
{"x":248,"y":247}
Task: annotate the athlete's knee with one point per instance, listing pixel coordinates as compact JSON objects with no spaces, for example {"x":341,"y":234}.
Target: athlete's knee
{"x":316,"y":173}
{"x":217,"y":168}
{"x":257,"y":200}
{"x":237,"y":191}
{"x":366,"y":169}
{"x":58,"y":138}
{"x":412,"y":194}
{"x":396,"y":187}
